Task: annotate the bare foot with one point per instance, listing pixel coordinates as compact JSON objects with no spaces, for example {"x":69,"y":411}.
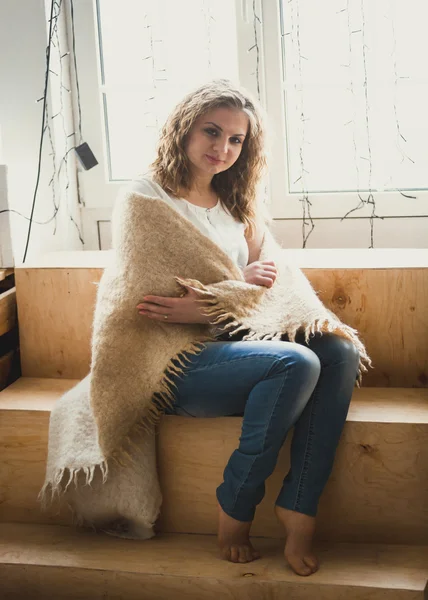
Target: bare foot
{"x":234,"y":539}
{"x":299,"y":530}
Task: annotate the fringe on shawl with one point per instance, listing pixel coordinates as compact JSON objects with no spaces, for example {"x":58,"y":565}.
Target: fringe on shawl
{"x":58,"y":488}
{"x":123,"y":457}
{"x":319,"y":325}
{"x":164,"y":392}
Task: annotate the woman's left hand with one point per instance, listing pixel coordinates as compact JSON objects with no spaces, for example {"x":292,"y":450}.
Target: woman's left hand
{"x":179,"y":310}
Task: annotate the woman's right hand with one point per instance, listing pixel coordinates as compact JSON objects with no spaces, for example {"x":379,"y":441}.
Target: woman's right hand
{"x":261,"y":273}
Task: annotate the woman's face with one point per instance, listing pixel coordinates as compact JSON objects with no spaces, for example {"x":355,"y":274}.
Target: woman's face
{"x":215,"y":140}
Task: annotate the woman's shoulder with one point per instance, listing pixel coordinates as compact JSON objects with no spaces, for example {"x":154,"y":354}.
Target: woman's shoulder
{"x":144,"y":185}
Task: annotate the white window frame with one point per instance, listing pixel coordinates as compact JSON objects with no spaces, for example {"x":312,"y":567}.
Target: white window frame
{"x":95,"y":184}
{"x":284,"y":205}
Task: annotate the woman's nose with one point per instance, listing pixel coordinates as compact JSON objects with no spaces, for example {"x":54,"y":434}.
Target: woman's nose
{"x":221,"y":146}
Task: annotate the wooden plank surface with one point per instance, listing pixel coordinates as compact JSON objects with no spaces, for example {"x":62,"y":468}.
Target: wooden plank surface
{"x":34,"y":394}
{"x":373,"y":405}
{"x":60,"y":562}
{"x":387,"y":306}
{"x":378,"y":489}
{"x":7,"y":310}
{"x":55,"y":311}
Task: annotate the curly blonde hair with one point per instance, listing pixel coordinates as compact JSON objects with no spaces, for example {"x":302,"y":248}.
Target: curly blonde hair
{"x":237,"y":186}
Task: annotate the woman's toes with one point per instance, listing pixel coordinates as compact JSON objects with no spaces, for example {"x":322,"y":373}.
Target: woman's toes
{"x":311,"y":562}
{"x":244,"y":554}
{"x":234,"y":554}
{"x":298,"y":566}
{"x":239,"y":553}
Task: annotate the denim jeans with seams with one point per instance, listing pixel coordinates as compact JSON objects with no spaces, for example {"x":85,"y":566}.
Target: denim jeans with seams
{"x":274,"y":385}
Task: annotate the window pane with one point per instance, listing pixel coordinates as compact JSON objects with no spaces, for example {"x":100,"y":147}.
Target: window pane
{"x":356,"y":89}
{"x":152,"y":53}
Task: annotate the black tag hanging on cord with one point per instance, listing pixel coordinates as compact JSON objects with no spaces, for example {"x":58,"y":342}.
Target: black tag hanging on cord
{"x":86,"y":156}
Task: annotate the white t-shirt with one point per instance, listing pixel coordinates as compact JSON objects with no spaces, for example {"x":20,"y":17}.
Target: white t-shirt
{"x":216,"y":223}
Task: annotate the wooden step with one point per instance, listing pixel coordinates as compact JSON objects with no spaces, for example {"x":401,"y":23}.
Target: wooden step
{"x":7,"y":310}
{"x":382,"y":293}
{"x":377,"y":492}
{"x":42,"y":561}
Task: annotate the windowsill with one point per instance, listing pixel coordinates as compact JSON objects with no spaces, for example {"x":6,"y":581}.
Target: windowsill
{"x":326,"y":258}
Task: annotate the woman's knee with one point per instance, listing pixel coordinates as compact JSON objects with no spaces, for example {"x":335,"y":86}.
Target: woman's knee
{"x":303,"y":361}
{"x":339,"y":349}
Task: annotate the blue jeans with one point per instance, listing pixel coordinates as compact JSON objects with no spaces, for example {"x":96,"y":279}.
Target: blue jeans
{"x":274,"y":385}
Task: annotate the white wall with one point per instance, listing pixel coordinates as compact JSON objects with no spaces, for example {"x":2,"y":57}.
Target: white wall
{"x":23,"y":41}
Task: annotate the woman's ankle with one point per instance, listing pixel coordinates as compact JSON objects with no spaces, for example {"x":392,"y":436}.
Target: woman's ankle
{"x":294,"y":520}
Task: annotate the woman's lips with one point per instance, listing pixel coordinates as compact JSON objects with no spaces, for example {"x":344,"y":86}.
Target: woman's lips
{"x":213,"y":160}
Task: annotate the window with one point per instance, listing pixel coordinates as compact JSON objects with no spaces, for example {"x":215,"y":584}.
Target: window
{"x":348,"y":84}
{"x":151,"y":54}
{"x":343,"y":83}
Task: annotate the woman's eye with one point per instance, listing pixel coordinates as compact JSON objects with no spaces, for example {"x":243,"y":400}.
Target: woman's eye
{"x":214,"y":132}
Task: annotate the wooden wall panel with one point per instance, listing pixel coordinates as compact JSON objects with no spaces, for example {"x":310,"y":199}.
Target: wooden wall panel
{"x":387,"y":306}
{"x":55,"y":311}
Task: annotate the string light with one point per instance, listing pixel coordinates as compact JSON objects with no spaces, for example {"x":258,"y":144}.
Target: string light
{"x":155,"y":70}
{"x":308,"y":224}
{"x":400,"y":136}
{"x":255,"y":46}
{"x":206,"y":13}
{"x":370,"y":200}
{"x":55,"y":11}
{"x":61,"y":114}
{"x":73,"y":45}
{"x":45,"y":94}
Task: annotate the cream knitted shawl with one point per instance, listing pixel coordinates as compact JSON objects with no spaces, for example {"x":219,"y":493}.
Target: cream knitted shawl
{"x":101,"y":444}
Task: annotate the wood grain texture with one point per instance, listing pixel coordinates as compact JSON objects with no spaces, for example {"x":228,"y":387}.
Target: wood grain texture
{"x":7,"y":310}
{"x":24,"y":425}
{"x":55,"y":311}
{"x":378,"y":490}
{"x":387,"y":306}
{"x":61,"y":563}
{"x":390,"y":310}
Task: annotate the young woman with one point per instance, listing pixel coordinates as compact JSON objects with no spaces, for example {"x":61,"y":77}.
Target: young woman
{"x":210,"y":159}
